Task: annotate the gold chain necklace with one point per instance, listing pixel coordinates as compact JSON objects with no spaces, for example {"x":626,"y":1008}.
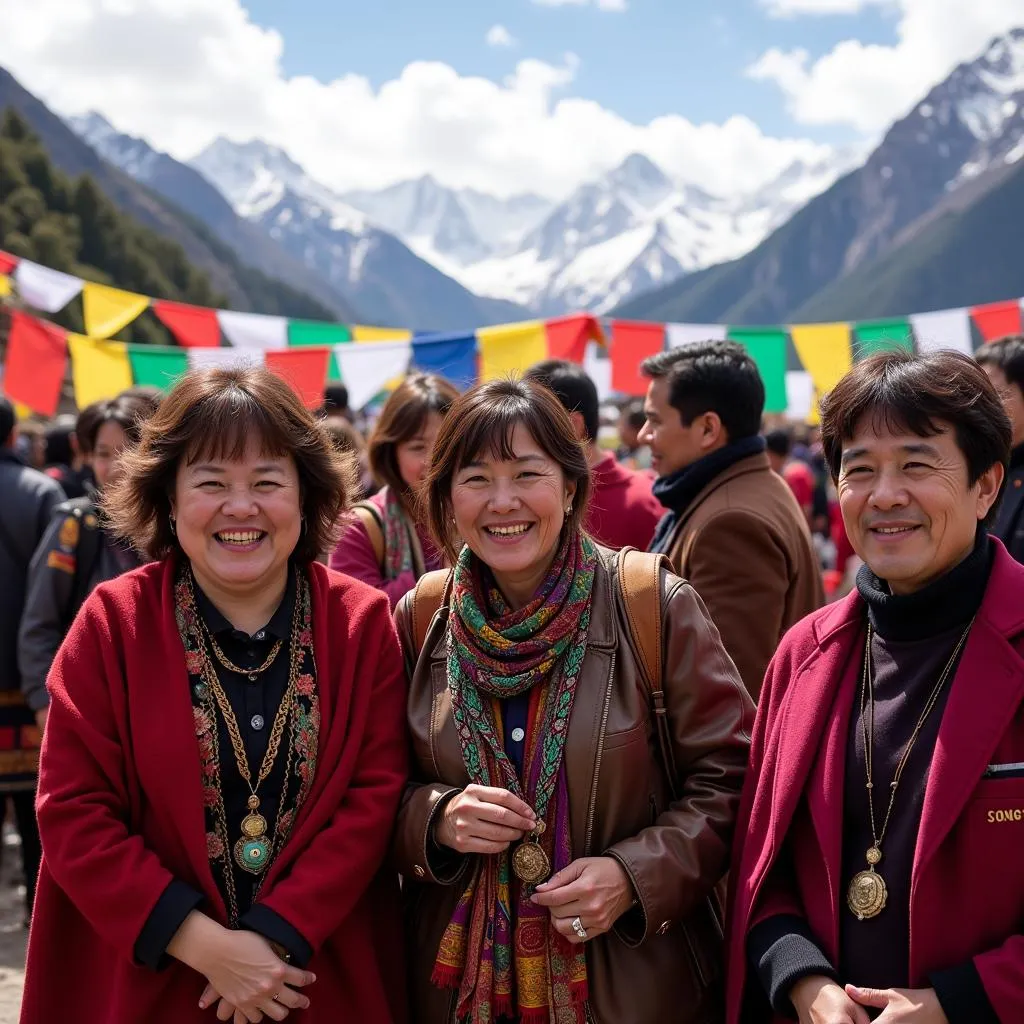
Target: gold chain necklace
{"x":867,"y":894}
{"x":252,"y":673}
{"x":252,"y":851}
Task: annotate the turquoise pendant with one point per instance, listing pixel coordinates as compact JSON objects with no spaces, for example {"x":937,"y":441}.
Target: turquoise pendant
{"x":253,"y":855}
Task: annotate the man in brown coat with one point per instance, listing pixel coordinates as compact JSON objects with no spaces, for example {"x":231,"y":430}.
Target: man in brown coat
{"x":733,"y":529}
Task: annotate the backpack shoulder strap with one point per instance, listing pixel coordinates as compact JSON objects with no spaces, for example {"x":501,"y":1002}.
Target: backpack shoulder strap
{"x":369,"y":515}
{"x":640,"y":582}
{"x":430,"y":595}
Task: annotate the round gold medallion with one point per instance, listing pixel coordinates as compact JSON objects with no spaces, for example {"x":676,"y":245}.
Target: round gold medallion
{"x":254,"y":826}
{"x":530,"y":863}
{"x":867,"y":894}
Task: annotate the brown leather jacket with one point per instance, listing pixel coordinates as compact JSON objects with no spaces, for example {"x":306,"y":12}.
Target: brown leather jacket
{"x":662,"y":962}
{"x":744,"y":545}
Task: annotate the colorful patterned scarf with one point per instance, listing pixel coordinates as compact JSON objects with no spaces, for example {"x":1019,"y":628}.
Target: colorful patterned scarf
{"x":398,"y":538}
{"x":500,"y":950}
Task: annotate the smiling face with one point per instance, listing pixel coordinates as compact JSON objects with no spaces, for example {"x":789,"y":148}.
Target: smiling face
{"x":511,"y":512}
{"x":906,"y":502}
{"x":238,"y":521}
{"x":413,"y":456}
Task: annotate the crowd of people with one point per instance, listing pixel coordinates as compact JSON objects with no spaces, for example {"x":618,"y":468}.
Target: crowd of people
{"x":507,"y":707}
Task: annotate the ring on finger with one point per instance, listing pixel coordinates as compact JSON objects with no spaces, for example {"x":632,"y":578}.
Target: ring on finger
{"x":577,"y":927}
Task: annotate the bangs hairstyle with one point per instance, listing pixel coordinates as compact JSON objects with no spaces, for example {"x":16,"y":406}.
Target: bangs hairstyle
{"x":402,"y":418}
{"x":916,"y":395}
{"x":215,"y":414}
{"x":482,"y":421}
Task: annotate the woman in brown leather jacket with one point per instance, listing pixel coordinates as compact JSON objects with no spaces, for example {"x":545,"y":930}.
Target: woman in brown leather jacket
{"x":555,"y":871}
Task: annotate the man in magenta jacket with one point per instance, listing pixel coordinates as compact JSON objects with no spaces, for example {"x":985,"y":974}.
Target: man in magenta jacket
{"x":878,"y":870}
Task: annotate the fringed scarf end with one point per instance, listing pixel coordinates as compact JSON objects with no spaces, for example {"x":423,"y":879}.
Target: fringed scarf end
{"x":446,"y":976}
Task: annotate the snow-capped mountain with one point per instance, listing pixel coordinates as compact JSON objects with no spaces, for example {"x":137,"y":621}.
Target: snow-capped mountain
{"x":450,"y":228}
{"x":632,"y":230}
{"x":960,"y":140}
{"x":386,"y":280}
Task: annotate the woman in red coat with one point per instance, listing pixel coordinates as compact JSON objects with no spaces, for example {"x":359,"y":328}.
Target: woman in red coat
{"x":225,"y":748}
{"x":879,"y":872}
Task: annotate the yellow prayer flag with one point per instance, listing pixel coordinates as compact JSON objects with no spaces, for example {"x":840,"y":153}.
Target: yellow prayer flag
{"x":511,"y":348}
{"x":360,"y":333}
{"x":99,"y":369}
{"x":107,"y":310}
{"x":826,"y":353}
{"x":5,"y":286}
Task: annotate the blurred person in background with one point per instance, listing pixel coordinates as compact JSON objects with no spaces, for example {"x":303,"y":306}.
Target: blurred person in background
{"x":1003,"y":363}
{"x":631,"y":451}
{"x":623,"y":511}
{"x":30,"y":444}
{"x":349,"y":441}
{"x":27,"y":501}
{"x":67,"y":461}
{"x":226,"y":747}
{"x":733,"y":530}
{"x":336,"y":403}
{"x":779,"y":446}
{"x":78,"y":551}
{"x":384,"y":544}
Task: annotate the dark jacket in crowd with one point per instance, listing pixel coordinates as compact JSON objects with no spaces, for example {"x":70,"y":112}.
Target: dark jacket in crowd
{"x":1009,"y":524}
{"x":75,"y":556}
{"x":27,"y":501}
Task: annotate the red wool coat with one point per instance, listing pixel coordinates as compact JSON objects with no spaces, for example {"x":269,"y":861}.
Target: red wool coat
{"x":967,"y":883}
{"x":121,"y":813}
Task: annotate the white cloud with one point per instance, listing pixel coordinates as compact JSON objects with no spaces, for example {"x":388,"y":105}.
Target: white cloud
{"x":601,"y":5}
{"x":868,"y":86}
{"x":498,"y":35}
{"x":793,"y":8}
{"x":181,"y":72}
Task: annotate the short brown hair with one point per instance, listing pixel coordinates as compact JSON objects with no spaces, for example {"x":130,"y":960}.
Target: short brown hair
{"x":915,"y":393}
{"x":402,"y":418}
{"x":214,"y":414}
{"x":483,"y":419}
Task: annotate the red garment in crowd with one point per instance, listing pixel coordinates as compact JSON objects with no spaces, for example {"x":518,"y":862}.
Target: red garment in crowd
{"x":355,"y":557}
{"x":801,"y":482}
{"x":967,"y":888}
{"x":844,"y":549}
{"x":121,"y":813}
{"x":623,"y":509}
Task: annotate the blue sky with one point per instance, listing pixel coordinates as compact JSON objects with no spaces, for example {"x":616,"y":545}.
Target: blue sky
{"x":656,"y":57}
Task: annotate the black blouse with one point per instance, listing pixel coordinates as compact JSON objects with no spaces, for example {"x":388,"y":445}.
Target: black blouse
{"x":254,"y":703}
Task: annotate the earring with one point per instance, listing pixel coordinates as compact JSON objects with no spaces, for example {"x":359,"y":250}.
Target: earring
{"x":568,"y":511}
{"x":173,"y":526}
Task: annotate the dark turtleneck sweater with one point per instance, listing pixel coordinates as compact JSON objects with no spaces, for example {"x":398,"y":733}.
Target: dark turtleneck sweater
{"x":914,"y":637}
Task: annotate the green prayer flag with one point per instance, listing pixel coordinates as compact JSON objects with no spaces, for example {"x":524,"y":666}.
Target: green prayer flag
{"x":767,"y":347}
{"x":317,"y":334}
{"x":156,"y":365}
{"x":874,"y":336}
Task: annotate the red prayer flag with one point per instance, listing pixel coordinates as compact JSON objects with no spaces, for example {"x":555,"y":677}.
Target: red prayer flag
{"x":568,"y":336}
{"x":998,"y":319}
{"x":7,"y":262}
{"x":192,"y":326}
{"x":305,"y":369}
{"x":632,"y":343}
{"x":37,"y":361}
